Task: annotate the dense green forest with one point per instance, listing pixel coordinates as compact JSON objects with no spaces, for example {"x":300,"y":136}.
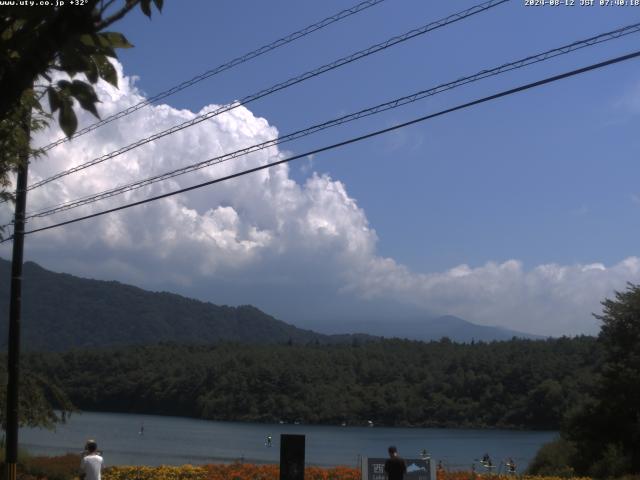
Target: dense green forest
{"x":515,"y":384}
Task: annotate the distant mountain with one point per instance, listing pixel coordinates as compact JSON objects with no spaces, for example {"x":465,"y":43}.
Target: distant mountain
{"x":458,"y":330}
{"x":424,"y":327}
{"x":61,"y":311}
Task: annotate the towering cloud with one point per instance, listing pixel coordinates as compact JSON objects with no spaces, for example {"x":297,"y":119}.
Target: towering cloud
{"x":266,"y":239}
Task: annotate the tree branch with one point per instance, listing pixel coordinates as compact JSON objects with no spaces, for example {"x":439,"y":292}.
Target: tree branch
{"x":104,"y":23}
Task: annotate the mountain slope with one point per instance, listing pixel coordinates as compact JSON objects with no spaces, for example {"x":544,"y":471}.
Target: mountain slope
{"x":460,"y":330}
{"x":422,"y":327}
{"x":61,"y":311}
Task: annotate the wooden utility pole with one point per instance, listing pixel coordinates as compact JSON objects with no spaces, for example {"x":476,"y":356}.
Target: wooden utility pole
{"x":13,"y":357}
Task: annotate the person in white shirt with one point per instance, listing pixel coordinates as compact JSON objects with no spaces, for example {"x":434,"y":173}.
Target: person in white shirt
{"x":91,"y":463}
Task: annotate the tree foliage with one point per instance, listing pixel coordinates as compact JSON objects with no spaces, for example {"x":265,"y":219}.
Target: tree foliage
{"x":36,"y":41}
{"x":553,"y":460}
{"x":42,"y":401}
{"x":606,"y":427}
{"x":515,"y":384}
{"x":28,"y":116}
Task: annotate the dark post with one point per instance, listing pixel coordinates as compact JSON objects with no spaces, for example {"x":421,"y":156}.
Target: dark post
{"x":291,"y":457}
{"x":13,"y":357}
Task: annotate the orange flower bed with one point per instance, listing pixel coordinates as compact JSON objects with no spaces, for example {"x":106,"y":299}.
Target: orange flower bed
{"x":236,"y":471}
{"x":66,"y":468}
{"x":233,"y":471}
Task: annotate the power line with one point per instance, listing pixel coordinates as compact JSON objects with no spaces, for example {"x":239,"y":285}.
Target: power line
{"x":280,"y":86}
{"x":351,"y":140}
{"x":221,"y":68}
{"x":530,"y":60}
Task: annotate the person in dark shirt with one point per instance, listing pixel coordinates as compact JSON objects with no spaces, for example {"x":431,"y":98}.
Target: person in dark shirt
{"x":395,"y":468}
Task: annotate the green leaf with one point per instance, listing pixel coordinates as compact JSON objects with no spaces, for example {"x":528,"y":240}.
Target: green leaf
{"x":72,"y":61}
{"x":84,"y":90}
{"x":64,"y":84}
{"x":85,"y":95}
{"x":115,"y":39}
{"x":7,"y":33}
{"x":67,"y":118}
{"x":92,"y":71}
{"x":37,"y":105}
{"x":104,"y":49}
{"x":87,"y":40}
{"x":145,"y":5}
{"x":54,"y":99}
{"x":101,"y":46}
{"x":106,"y":70}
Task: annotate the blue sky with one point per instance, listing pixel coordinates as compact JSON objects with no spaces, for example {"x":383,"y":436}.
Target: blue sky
{"x":522,"y":212}
{"x":545,"y":176}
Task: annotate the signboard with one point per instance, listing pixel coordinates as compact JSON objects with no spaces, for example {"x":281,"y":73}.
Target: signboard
{"x":292,"y":457}
{"x":417,"y":469}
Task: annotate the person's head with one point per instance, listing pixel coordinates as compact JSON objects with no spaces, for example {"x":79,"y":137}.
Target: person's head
{"x":91,"y":446}
{"x":393,"y":451}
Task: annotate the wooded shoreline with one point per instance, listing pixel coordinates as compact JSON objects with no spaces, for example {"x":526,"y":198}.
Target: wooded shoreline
{"x":518,"y":384}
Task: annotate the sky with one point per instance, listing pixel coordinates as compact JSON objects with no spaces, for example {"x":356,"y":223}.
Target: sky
{"x":521,"y":212}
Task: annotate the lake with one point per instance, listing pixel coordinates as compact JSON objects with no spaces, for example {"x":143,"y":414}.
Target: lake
{"x":176,"y":441}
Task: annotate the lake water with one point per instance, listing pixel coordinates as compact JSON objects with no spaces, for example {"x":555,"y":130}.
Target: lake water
{"x":176,"y":441}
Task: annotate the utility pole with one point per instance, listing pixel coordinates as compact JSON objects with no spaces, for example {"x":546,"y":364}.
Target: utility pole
{"x":13,"y":357}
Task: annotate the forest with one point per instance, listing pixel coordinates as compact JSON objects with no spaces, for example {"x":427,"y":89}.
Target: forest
{"x":515,"y":384}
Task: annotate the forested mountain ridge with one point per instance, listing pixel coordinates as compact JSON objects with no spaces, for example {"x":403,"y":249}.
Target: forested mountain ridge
{"x":61,"y":311}
{"x":515,"y":384}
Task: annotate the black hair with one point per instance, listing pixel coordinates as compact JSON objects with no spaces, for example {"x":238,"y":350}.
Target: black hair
{"x":91,"y":445}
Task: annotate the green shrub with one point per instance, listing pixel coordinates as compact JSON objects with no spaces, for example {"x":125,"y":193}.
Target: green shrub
{"x":62,"y":467}
{"x":613,"y":463}
{"x":553,"y":459}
